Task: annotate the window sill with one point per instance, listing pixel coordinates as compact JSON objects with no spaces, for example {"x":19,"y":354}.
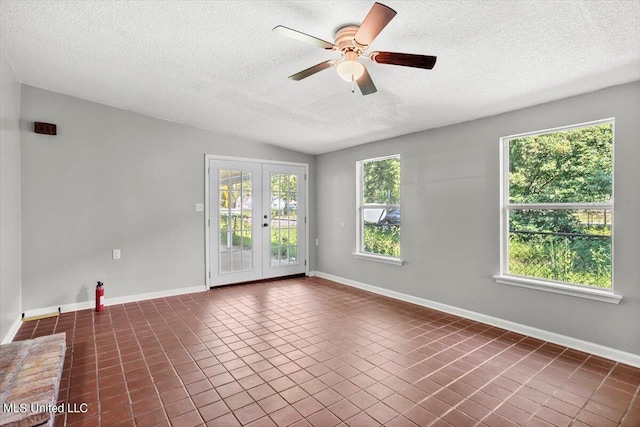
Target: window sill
{"x":559,"y":288}
{"x":379,"y":258}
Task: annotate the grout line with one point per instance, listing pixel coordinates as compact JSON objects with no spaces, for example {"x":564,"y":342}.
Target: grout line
{"x":168,"y":359}
{"x":583,"y":407}
{"x":529,"y":380}
{"x":630,"y":406}
{"x":126,"y":385}
{"x":294,"y":316}
{"x":477,"y":367}
{"x":69,"y":348}
{"x":506,"y":332}
{"x":95,"y":356}
{"x":474,"y":323}
{"x":503,"y":401}
{"x":144,"y":359}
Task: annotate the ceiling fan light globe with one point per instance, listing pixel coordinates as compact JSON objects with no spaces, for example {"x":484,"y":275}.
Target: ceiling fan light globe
{"x":350,"y":70}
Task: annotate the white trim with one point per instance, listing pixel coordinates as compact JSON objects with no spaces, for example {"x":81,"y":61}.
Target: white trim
{"x":378,"y":206}
{"x":377,"y":159}
{"x":254,"y":160}
{"x":559,"y":288}
{"x":360,"y":206}
{"x":152,"y":295}
{"x":307,"y":216}
{"x":502,"y":209}
{"x":505,"y":207}
{"x":561,"y":128}
{"x":359,"y":213}
{"x":563,"y":340}
{"x":11,"y":333}
{"x":378,"y":258}
{"x":559,"y":206}
{"x":311,"y":273}
{"x":65,"y":308}
{"x":207,"y":208}
{"x":207,"y":219}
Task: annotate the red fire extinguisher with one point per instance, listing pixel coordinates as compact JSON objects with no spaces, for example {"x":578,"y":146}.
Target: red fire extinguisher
{"x":99,"y":297}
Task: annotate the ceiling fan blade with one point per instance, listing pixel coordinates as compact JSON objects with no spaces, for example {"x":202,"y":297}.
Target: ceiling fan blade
{"x":375,"y":21}
{"x":312,"y":70}
{"x":294,"y":34}
{"x":366,"y":84}
{"x":404,"y":59}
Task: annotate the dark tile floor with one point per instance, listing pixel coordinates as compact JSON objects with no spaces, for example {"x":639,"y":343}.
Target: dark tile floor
{"x":309,"y":352}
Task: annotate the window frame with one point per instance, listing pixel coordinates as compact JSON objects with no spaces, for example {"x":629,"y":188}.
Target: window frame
{"x":360,"y":206}
{"x":549,"y":285}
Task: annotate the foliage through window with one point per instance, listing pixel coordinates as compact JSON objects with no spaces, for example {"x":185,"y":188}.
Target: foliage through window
{"x":558,"y":205}
{"x":379,"y":206}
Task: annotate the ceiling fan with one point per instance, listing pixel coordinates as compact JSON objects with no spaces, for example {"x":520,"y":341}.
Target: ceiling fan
{"x":352,"y":41}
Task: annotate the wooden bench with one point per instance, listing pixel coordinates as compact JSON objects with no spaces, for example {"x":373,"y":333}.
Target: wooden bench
{"x":30,"y":374}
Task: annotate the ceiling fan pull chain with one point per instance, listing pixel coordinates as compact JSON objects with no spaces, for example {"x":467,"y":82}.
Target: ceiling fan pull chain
{"x":353,"y":84}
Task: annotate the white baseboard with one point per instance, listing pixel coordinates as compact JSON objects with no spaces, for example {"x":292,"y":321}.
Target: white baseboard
{"x":152,"y":295}
{"x":563,"y":340}
{"x":13,"y":330}
{"x":312,"y":274}
{"x":65,"y":308}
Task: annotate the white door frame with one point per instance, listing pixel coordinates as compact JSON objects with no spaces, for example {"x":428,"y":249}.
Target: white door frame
{"x":207,"y":207}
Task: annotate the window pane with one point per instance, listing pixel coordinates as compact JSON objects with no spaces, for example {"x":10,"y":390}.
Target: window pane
{"x":380,"y":225}
{"x":381,"y":181}
{"x":562,"y":167}
{"x":382,"y":239}
{"x":566,"y":245}
{"x":284,"y":218}
{"x":236,"y":248}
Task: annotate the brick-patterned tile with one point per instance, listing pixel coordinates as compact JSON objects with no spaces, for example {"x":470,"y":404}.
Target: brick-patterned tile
{"x":307,"y":352}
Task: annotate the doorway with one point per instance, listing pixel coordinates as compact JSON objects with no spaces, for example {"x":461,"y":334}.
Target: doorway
{"x":256,"y":220}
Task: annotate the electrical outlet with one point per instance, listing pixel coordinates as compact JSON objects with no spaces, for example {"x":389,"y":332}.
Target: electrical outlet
{"x":317,"y":242}
{"x":199,"y":207}
{"x":117,"y":254}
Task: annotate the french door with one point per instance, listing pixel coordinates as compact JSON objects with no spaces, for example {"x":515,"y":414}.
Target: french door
{"x":257,"y":220}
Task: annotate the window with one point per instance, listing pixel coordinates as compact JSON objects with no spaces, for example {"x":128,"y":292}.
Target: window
{"x":557,"y":207}
{"x":378,"y":209}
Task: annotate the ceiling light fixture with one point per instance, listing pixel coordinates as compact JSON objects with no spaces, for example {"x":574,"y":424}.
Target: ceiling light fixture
{"x":349,"y":69}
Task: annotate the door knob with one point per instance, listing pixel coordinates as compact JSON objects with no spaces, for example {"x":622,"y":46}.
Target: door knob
{"x":265,"y":225}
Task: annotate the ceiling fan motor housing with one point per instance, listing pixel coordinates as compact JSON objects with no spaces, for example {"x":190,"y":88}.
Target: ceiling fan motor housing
{"x":345,"y":40}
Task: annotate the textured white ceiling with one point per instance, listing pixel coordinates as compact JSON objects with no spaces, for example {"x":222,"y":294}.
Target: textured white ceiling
{"x":216,"y":64}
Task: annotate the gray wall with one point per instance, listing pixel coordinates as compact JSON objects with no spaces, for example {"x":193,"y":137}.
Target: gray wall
{"x":10,"y":269}
{"x":115,"y":179}
{"x":450,"y":219}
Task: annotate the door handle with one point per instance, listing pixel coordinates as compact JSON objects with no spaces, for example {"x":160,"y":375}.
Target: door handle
{"x":265,"y":225}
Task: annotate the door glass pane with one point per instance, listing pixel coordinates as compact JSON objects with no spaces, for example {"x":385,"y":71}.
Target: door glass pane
{"x":283,"y":194}
{"x":236,"y":248}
